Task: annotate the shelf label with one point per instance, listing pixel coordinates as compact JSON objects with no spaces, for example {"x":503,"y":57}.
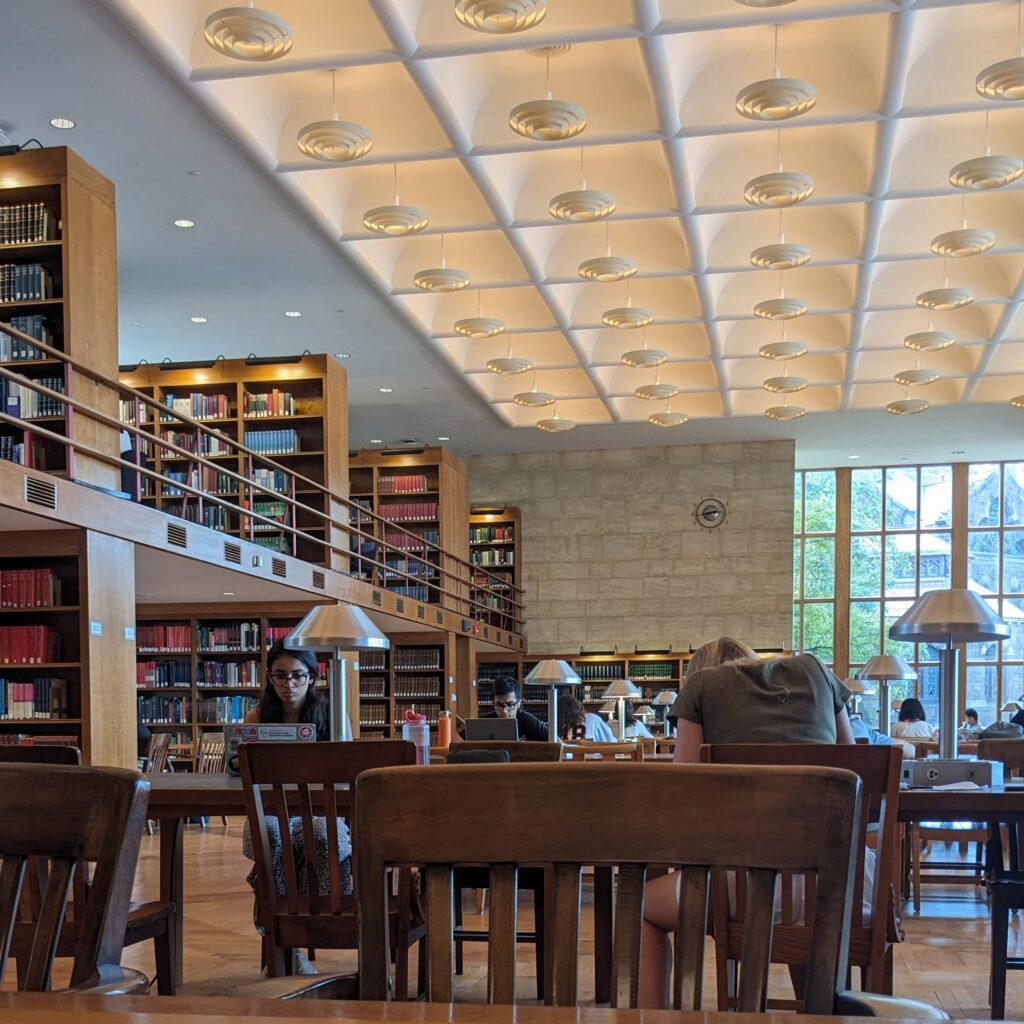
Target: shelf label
{"x":129,"y":633}
{"x":95,"y":628}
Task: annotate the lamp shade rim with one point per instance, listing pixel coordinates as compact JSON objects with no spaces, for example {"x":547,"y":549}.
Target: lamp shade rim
{"x":886,"y":668}
{"x":341,"y":626}
{"x":944,"y":617}
{"x":552,"y":672}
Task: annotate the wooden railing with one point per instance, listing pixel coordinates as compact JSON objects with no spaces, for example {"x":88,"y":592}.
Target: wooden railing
{"x":344,"y":545}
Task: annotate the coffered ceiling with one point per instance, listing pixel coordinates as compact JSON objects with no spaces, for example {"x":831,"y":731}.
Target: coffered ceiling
{"x":658,"y":80}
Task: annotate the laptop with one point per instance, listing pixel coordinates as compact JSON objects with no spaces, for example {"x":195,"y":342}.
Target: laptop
{"x":492,"y":729}
{"x":237,"y":733}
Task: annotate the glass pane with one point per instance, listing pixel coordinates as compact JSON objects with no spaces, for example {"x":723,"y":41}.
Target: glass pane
{"x":865,"y":629}
{"x":935,"y":561}
{"x":797,"y":613}
{"x":1013,"y":562}
{"x":903,"y":648}
{"x":866,"y":566}
{"x":798,"y":502}
{"x":900,"y":564}
{"x":936,"y":496}
{"x":983,"y":561}
{"x":1013,"y":686}
{"x":1013,"y":645}
{"x":981,"y":693}
{"x":901,"y":498}
{"x":899,"y":691}
{"x":1013,"y":494}
{"x":819,"y":631}
{"x":928,"y":692}
{"x":989,"y":650}
{"x":820,"y":498}
{"x":797,"y":558}
{"x":866,"y":499}
{"x":983,"y":494}
{"x":819,"y":567}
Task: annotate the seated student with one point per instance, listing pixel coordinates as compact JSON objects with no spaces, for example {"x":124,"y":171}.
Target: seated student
{"x":971,"y":723}
{"x":912,"y":723}
{"x":635,"y":729}
{"x":576,"y":723}
{"x":508,"y":703}
{"x":861,"y":730}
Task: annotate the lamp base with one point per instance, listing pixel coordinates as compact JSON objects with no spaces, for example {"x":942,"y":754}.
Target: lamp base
{"x":936,"y":771}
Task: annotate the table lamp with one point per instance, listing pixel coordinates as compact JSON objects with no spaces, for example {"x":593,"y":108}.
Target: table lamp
{"x":884,"y":669}
{"x":944,"y":618}
{"x":1011,"y":707}
{"x":621,"y":690}
{"x":609,"y":707}
{"x":662,"y":702}
{"x":337,"y":628}
{"x":857,"y":690}
{"x":645,"y":712}
{"x":552,"y":673}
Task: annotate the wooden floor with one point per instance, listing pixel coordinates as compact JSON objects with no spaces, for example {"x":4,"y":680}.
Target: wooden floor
{"x":944,"y":959}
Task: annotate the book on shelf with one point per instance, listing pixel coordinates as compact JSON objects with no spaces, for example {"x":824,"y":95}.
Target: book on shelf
{"x":216,"y":517}
{"x":39,"y":698}
{"x":275,"y":480}
{"x":228,"y":673}
{"x":272,"y":442}
{"x":29,"y":588}
{"x":491,"y":534}
{"x":162,"y":673}
{"x":160,"y":639}
{"x":421,"y":511}
{"x":197,"y":405}
{"x":411,"y":541}
{"x":201,"y":478}
{"x":421,"y":658}
{"x":273,"y":542}
{"x":25,"y":282}
{"x":25,"y":403}
{"x":272,"y":403}
{"x":233,"y":636}
{"x":402,"y":483}
{"x":165,"y":710}
{"x":23,"y":448}
{"x":29,"y":645}
{"x":209,"y":444}
{"x":14,"y":349}
{"x":492,"y":556}
{"x":23,"y":223}
{"x":224,"y":709}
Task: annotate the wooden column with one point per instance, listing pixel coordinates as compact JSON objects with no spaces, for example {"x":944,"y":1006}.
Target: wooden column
{"x":465,"y":677}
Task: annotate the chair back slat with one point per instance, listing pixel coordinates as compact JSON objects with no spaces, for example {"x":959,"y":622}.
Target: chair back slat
{"x":518,"y":751}
{"x":595,"y":753}
{"x":12,"y":876}
{"x":440,"y":921}
{"x":159,"y":750}
{"x":501,"y":942}
{"x":688,"y":975}
{"x":289,"y":868}
{"x":49,"y":923}
{"x":778,"y":819}
{"x":335,"y":898}
{"x":757,"y":940}
{"x":629,"y":912}
{"x":314,"y":901}
{"x":568,"y":895}
{"x":210,"y":755}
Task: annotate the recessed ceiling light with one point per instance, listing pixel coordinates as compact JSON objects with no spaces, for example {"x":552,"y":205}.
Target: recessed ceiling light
{"x":376,"y":440}
{"x":198,"y":319}
{"x":184,"y":222}
{"x":958,"y":451}
{"x":342,"y":355}
{"x":385,"y":391}
{"x":137,"y":323}
{"x":444,"y":437}
{"x":227,"y":593}
{"x":193,"y":174}
{"x":292,"y":312}
{"x":62,"y":122}
{"x":853,"y":456}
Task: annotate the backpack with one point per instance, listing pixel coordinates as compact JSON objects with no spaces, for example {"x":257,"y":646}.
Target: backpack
{"x":1001,"y":731}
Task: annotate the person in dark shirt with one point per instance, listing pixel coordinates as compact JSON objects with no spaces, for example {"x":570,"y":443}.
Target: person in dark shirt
{"x":508,"y":703}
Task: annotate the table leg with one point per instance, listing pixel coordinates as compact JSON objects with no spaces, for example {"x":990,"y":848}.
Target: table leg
{"x":172,"y":883}
{"x":602,"y":934}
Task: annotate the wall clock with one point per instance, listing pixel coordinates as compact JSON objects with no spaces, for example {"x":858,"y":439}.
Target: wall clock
{"x":709,"y":513}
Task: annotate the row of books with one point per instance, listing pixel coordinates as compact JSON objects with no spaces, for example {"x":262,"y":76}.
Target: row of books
{"x":14,"y":349}
{"x":416,"y":657}
{"x":40,"y":698}
{"x":373,"y":661}
{"x":276,"y":510}
{"x":198,"y":406}
{"x":373,"y":687}
{"x":274,"y":542}
{"x":417,"y":686}
{"x":26,"y":222}
{"x":163,"y":673}
{"x":420,"y":511}
{"x":234,"y":636}
{"x":165,"y":710}
{"x":413,"y":591}
{"x":29,"y":588}
{"x":492,"y":556}
{"x":216,"y":517}
{"x":402,"y":483}
{"x":491,"y":534}
{"x":25,"y":403}
{"x":411,"y":541}
{"x":28,"y":645}
{"x":24,"y":448}
{"x":432,"y":711}
{"x":209,"y":444}
{"x":272,"y":442}
{"x":228,"y":673}
{"x":150,"y":638}
{"x":21,"y":739}
{"x":273,"y":403}
{"x":275,"y":480}
{"x":224,"y":709}
{"x":403,"y":568}
{"x":25,"y":282}
{"x":652,"y":671}
{"x":600,"y":670}
{"x":373,"y":714}
{"x":202,"y":478}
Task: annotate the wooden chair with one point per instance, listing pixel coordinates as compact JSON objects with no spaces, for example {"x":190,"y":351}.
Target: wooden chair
{"x":153,"y":919}
{"x":519,"y":751}
{"x":871,"y":936}
{"x":156,"y":761}
{"x":778,"y":819}
{"x":597,"y":752}
{"x":210,"y":758}
{"x":71,"y":822}
{"x":301,"y":781}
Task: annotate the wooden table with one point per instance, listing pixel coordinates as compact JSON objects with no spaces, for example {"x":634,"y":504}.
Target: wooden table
{"x":994,"y":805}
{"x":44,"y":1008}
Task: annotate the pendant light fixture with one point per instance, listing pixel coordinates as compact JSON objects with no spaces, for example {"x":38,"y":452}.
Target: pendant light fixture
{"x":628,"y":317}
{"x":547,"y":120}
{"x":1017,"y":402}
{"x":607,"y":267}
{"x":533,"y":399}
{"x":334,"y":141}
{"x":780,"y":308}
{"x":644,"y":356}
{"x":963,"y":241}
{"x":1004,"y":80}
{"x":776,"y":98}
{"x":509,"y":363}
{"x":916,"y":377}
{"x":582,"y":204}
{"x":907,"y":406}
{"x":930,"y":340}
{"x":780,"y":255}
{"x":667,"y":418}
{"x":656,"y":392}
{"x":442,"y":278}
{"x":981,"y":173}
{"x":779,"y":187}
{"x":394,"y":218}
{"x":555,"y":425}
{"x":500,"y":17}
{"x":945,"y":298}
{"x":785,"y":411}
{"x":247,"y":33}
{"x":479,"y":327}
{"x":782,"y":350}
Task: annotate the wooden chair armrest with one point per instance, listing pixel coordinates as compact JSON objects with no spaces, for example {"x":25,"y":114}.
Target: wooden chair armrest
{"x":112,"y":980}
{"x":867,"y":1004}
{"x":326,"y":986}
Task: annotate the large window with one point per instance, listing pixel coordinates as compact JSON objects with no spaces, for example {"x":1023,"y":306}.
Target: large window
{"x":868,"y":542}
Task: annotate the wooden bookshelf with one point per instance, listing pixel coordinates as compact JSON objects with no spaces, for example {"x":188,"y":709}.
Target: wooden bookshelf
{"x":303,"y":402}
{"x":494,"y":547}
{"x":76,"y":253}
{"x":426,"y":493}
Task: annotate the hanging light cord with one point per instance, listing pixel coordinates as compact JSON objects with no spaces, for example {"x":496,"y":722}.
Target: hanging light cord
{"x":334,"y":88}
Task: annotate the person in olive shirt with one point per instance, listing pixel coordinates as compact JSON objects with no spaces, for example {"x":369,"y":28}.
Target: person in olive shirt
{"x":508,"y":703}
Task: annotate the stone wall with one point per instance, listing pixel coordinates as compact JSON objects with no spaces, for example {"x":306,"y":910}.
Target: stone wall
{"x":612,"y":555}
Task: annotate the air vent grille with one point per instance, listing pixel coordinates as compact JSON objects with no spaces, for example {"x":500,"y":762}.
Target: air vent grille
{"x":399,"y":605}
{"x":421,"y":612}
{"x":232,"y":552}
{"x":487,"y":633}
{"x":319,"y":579}
{"x":177,"y":536}
{"x":440,"y":618}
{"x":278,"y":567}
{"x":41,"y":492}
{"x":375,"y":599}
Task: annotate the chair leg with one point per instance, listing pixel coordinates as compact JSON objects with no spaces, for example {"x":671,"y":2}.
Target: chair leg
{"x":538,"y":931}
{"x":915,"y":866}
{"x":149,"y":826}
{"x":1000,"y":937}
{"x":163,"y":948}
{"x":458,"y":924}
{"x":726,"y":980}
{"x":225,"y":820}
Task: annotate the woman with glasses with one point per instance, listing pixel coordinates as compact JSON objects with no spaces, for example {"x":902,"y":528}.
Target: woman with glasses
{"x":290,"y":698}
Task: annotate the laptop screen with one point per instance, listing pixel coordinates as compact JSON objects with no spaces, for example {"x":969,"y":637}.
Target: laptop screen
{"x":492,"y":729}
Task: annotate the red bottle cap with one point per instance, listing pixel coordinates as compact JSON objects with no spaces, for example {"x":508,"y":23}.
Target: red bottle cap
{"x":414,"y":719}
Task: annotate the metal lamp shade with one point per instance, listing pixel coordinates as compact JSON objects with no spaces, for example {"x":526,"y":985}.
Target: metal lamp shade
{"x":552,"y":672}
{"x":886,"y":668}
{"x":621,"y":688}
{"x":609,"y":707}
{"x":645,"y":712}
{"x":337,"y":628}
{"x":664,"y":699}
{"x":856,"y":686}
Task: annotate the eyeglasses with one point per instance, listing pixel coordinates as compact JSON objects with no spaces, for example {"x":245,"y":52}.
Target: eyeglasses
{"x":280,"y":678}
{"x":505,"y":704}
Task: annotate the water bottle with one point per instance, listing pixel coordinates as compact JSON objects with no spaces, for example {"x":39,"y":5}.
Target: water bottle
{"x":416,"y":730}
{"x":444,"y":729}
